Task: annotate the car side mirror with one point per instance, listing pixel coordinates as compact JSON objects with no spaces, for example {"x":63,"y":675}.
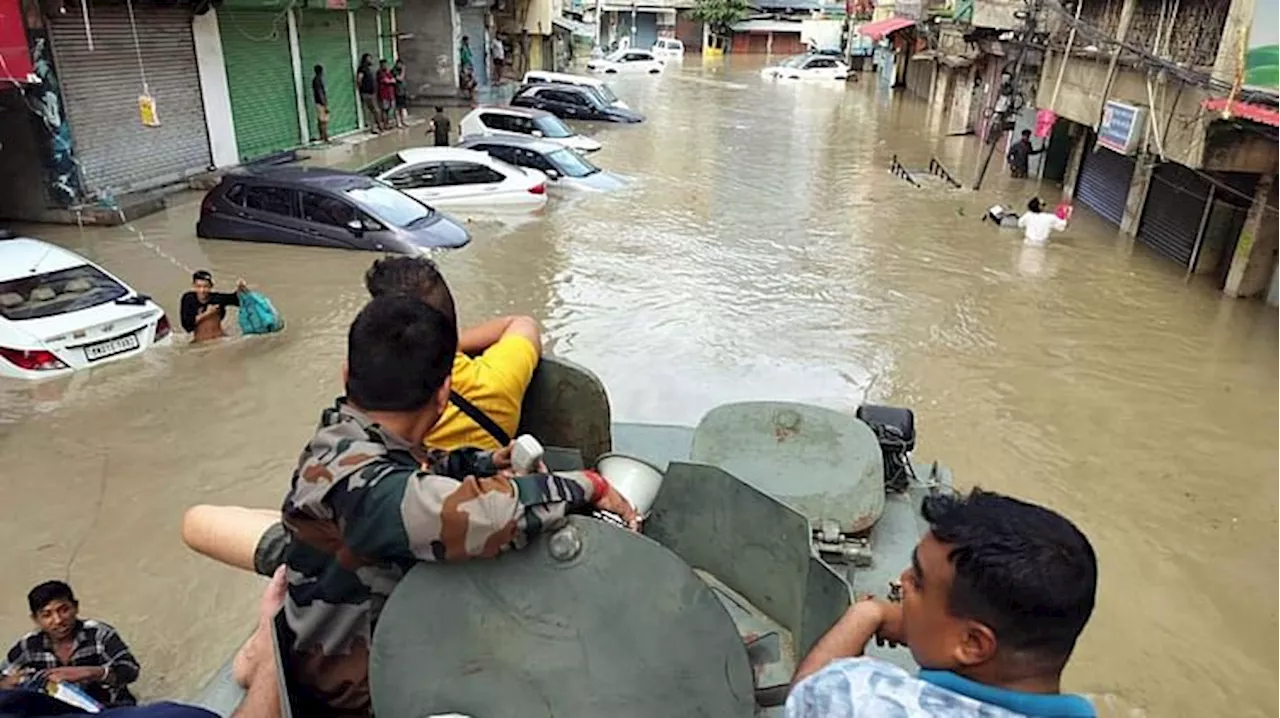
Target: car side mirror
{"x":553,"y":174}
{"x":356,"y":227}
{"x":536,"y":133}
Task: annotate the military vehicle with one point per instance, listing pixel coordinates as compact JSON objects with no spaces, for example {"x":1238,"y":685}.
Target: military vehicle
{"x":771,"y":517}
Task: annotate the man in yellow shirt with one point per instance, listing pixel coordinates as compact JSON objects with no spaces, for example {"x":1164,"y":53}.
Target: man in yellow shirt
{"x":491,"y":371}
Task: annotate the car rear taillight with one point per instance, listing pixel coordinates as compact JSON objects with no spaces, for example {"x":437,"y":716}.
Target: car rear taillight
{"x":207,"y":206}
{"x":162,"y":328}
{"x":540,"y":188}
{"x":32,"y":359}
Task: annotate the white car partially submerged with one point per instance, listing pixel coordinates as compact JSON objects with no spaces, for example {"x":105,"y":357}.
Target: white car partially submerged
{"x":60,"y":313}
{"x":489,"y":121}
{"x":628,"y":61}
{"x":450,"y":177}
{"x":810,"y":66}
{"x":668,"y":48}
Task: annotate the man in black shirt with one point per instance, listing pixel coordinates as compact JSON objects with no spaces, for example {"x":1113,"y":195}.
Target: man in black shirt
{"x":440,"y":127}
{"x":203,"y":309}
{"x":367,"y":82}
{"x":1020,"y":155}
{"x":321,"y":99}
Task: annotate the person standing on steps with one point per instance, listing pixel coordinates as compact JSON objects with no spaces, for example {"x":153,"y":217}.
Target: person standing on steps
{"x":386,"y":94}
{"x":402,"y":94}
{"x":498,"y":52}
{"x":1020,"y":155}
{"x":466,"y":69}
{"x":321,"y":98}
{"x":367,"y":83}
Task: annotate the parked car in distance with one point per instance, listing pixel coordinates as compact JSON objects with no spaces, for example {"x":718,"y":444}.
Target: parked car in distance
{"x":668,"y":48}
{"x":322,"y":207}
{"x":485,"y":121}
{"x":458,"y":177}
{"x":627,"y":61}
{"x":572,"y":102}
{"x":545,"y":77}
{"x":60,"y":313}
{"x":810,"y":66}
{"x":564,"y":167}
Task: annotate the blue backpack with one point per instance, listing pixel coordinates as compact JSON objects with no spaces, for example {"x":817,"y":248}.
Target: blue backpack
{"x":257,"y":314}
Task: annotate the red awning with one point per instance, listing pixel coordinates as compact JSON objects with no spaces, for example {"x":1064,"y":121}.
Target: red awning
{"x":880,"y":28}
{"x":16,"y":57}
{"x":1256,"y":113}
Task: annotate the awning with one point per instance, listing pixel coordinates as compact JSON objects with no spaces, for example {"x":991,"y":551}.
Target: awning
{"x":766,"y":26}
{"x":574,"y":27}
{"x":1255,"y":113}
{"x":880,"y":28}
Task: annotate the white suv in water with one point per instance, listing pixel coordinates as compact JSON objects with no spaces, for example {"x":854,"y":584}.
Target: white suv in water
{"x":59,"y":313}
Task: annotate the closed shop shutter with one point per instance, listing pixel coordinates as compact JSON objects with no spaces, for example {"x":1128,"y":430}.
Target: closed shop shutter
{"x":1171,"y":216}
{"x":367,"y":35}
{"x":100,"y":87}
{"x":646,"y":30}
{"x":472,"y":20}
{"x":324,"y":39}
{"x":1103,"y":185}
{"x":264,"y":106}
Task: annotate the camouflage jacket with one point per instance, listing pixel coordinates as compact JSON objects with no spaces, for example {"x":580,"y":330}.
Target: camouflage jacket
{"x":364,"y":505}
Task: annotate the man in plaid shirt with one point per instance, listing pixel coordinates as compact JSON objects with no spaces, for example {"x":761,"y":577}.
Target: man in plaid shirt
{"x":87,"y":653}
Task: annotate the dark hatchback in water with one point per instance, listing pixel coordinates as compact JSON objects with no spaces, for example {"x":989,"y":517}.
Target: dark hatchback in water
{"x":572,"y":102}
{"x":322,"y":207}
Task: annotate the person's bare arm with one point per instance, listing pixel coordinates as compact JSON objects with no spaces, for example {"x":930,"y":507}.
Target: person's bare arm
{"x":848,"y":638}
{"x":475,"y":340}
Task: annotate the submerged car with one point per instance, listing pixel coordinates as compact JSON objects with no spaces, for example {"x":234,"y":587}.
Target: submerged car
{"x":458,"y":177}
{"x":628,"y":61}
{"x":320,"y":207}
{"x":564,"y":167}
{"x":668,"y":48}
{"x":60,"y":313}
{"x":546,"y":77}
{"x":572,"y":102}
{"x":486,"y":121}
{"x":810,"y":66}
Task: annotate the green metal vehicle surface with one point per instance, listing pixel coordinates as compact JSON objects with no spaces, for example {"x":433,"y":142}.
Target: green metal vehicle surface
{"x":706,"y":613}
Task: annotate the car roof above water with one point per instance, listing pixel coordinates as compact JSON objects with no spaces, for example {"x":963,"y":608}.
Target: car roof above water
{"x":19,"y":255}
{"x":528,"y":142}
{"x":512,"y":110}
{"x":327,"y":178}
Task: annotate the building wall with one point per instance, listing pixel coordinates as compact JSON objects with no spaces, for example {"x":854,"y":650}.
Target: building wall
{"x":1080,"y":99}
{"x":431,"y":54}
{"x":996,"y":13}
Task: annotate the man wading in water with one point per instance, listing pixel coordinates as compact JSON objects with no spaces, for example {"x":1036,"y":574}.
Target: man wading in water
{"x":202,"y":309}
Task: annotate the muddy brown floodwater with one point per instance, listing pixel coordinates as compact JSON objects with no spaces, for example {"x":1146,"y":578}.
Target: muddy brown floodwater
{"x":761,"y":251}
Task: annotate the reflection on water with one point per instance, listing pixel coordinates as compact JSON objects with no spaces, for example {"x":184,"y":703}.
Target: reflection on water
{"x":760,"y":251}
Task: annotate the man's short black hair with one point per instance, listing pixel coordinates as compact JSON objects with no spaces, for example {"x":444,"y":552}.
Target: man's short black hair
{"x":1026,"y":572}
{"x":382,"y":61}
{"x":47,"y":592}
{"x":439,"y":109}
{"x":1026,"y":133}
{"x":200,"y":274}
{"x":1034,"y":204}
{"x":319,"y":69}
{"x":399,"y":353}
{"x":416,"y":277}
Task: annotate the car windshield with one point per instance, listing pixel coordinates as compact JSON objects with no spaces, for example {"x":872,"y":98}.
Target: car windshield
{"x":794,"y":61}
{"x":390,"y":205}
{"x":551,"y":127}
{"x":571,"y":164}
{"x":616,"y":55}
{"x":382,"y":166}
{"x":606,"y":93}
{"x":67,"y":290}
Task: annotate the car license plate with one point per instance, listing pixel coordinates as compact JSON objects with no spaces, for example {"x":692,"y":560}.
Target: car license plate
{"x":111,"y":347}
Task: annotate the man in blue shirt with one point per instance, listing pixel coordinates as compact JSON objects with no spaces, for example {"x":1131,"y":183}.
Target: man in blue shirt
{"x":997,"y":593}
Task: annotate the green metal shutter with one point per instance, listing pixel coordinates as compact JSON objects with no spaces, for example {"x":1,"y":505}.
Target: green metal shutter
{"x":388,"y":50}
{"x":367,"y":35}
{"x":323,"y":39}
{"x":264,"y":106}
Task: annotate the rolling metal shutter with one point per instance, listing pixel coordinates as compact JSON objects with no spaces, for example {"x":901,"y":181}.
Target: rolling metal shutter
{"x":255,"y":48}
{"x":1173,"y":212}
{"x":100,"y":87}
{"x":1103,"y":185}
{"x":323,"y":39}
{"x":367,"y":36}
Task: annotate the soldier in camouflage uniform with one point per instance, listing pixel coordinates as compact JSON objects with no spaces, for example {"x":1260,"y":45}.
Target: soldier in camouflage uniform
{"x":367,"y":502}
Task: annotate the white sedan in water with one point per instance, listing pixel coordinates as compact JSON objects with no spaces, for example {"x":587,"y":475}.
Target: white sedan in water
{"x":448,"y":177}
{"x":59,"y":313}
{"x":807,"y":67}
{"x":628,"y":61}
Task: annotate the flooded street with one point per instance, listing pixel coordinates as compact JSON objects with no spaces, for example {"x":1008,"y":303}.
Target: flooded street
{"x":761,"y":251}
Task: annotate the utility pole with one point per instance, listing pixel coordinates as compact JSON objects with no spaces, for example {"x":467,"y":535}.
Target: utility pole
{"x":1005,"y":106}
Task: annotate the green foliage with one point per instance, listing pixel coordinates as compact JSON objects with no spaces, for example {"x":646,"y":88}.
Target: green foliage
{"x":719,"y":15}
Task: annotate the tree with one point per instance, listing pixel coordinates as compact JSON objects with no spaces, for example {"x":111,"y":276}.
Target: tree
{"x":720,"y":15}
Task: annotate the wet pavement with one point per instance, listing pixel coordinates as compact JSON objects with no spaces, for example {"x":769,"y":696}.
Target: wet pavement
{"x":762,"y":251}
